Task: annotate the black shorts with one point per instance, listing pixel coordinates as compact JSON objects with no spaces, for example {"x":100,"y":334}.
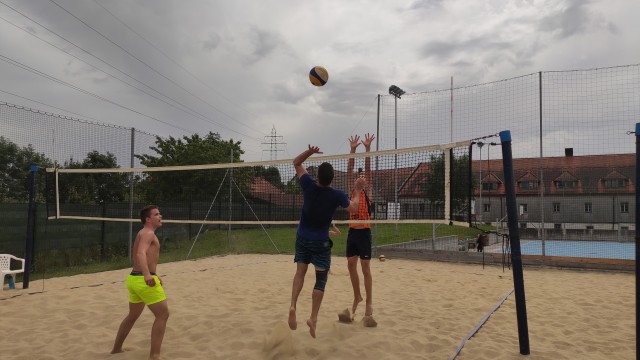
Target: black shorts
{"x":359,"y":243}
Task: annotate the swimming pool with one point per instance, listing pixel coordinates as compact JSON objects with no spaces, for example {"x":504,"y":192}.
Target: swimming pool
{"x":576,"y":248}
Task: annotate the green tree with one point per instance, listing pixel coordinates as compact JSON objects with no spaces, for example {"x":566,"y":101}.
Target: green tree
{"x":190,"y":184}
{"x":293,"y":186}
{"x":15,"y":168}
{"x":434,"y":180}
{"x":93,"y":188}
{"x":271,"y":174}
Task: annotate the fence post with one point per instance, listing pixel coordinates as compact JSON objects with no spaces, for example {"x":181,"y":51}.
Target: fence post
{"x":514,"y":238}
{"x":103,"y":232}
{"x":31,"y":228}
{"x":637,"y":258}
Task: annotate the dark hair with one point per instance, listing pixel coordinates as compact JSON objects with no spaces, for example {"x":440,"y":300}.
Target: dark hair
{"x":325,"y":174}
{"x":146,"y":212}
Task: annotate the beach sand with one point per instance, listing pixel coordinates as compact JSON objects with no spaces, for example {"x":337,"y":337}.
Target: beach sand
{"x":236,"y":307}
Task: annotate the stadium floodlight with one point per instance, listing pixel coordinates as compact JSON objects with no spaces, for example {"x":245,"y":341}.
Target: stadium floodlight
{"x":396,"y":91}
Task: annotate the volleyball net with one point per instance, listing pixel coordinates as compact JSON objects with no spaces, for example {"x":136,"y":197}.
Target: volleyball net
{"x":428,"y":184}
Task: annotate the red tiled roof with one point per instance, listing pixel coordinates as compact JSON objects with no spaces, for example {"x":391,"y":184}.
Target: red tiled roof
{"x":263,"y":190}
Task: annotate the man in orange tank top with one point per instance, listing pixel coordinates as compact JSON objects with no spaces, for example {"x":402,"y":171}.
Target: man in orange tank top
{"x":359,"y":236}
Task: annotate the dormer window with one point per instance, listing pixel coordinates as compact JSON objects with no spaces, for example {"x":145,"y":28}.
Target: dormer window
{"x":566,"y":184}
{"x":489,"y":186}
{"x":615,"y":183}
{"x":528,"y":185}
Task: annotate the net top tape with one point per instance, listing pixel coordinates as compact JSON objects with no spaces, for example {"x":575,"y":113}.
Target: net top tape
{"x":440,"y":147}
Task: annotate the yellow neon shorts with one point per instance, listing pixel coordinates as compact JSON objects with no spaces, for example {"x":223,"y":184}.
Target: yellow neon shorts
{"x":139,"y":291}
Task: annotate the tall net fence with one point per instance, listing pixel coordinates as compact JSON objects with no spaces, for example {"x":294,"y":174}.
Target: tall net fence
{"x":572,"y":148}
{"x":29,"y":136}
{"x":572,"y":163}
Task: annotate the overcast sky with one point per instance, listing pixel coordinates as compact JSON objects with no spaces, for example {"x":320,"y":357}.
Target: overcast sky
{"x":240,"y":68}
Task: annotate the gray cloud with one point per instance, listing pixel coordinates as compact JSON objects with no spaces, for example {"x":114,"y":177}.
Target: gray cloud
{"x":426,"y":4}
{"x":212,"y":42}
{"x":444,"y":51}
{"x":258,"y":55}
{"x":263,"y":43}
{"x":572,"y":20}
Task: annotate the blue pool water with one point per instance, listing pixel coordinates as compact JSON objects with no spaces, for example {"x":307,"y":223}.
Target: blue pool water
{"x":575,"y":248}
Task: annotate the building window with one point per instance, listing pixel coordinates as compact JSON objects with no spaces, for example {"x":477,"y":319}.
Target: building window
{"x":587,"y":207}
{"x":528,"y":185}
{"x":557,"y":226}
{"x":589,"y":227}
{"x":523,"y":209}
{"x":624,"y":207}
{"x":615,"y":183}
{"x":624,"y":228}
{"x":486,"y":207}
{"x":566,"y":184}
{"x":489,"y":186}
{"x":556,"y":207}
{"x":523,"y":225}
{"x":421,"y":208}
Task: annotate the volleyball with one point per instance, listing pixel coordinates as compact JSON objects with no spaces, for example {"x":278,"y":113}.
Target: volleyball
{"x":318,"y":76}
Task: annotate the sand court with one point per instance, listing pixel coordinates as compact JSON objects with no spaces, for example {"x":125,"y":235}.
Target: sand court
{"x":236,"y":307}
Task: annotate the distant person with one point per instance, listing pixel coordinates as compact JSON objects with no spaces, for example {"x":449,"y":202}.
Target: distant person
{"x":145,"y":287}
{"x":359,"y":236}
{"x":313,"y":244}
{"x":482,"y":238}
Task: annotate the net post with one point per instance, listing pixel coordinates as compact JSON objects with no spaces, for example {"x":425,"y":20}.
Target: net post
{"x":31,"y":227}
{"x":514,"y":237}
{"x":448,"y":156}
{"x":470,"y":176}
{"x":133,"y":147}
{"x":637,"y":257}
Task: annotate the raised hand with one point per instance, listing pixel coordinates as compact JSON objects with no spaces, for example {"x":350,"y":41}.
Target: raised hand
{"x":314,"y":149}
{"x":368,"y":139}
{"x":354,"y":141}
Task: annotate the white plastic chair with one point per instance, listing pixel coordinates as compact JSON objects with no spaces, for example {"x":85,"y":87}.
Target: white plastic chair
{"x":5,"y":267}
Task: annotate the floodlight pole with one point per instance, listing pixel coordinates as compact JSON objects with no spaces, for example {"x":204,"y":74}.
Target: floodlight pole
{"x":637,"y":240}
{"x":480,"y":145}
{"x":397,"y":93}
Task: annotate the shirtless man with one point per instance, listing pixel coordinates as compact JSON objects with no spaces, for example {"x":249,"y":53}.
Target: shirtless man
{"x":145,"y":287}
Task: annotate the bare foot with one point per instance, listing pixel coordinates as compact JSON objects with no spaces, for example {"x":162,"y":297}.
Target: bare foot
{"x":312,"y":328}
{"x":369,"y":321}
{"x":120,"y":350}
{"x":293,"y":324}
{"x":345,"y":316}
{"x":369,"y":310}
{"x":356,"y":301}
{"x":154,"y":357}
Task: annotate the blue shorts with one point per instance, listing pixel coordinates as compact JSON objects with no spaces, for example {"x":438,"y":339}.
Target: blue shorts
{"x":316,"y":252}
{"x":359,"y":243}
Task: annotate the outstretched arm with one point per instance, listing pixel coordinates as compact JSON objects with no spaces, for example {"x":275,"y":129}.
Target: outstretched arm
{"x":357,"y":189}
{"x":354,"y":141}
{"x":368,"y":139}
{"x":297,"y":162}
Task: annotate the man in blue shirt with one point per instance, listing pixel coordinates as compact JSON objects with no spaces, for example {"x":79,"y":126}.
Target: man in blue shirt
{"x":313,"y":244}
